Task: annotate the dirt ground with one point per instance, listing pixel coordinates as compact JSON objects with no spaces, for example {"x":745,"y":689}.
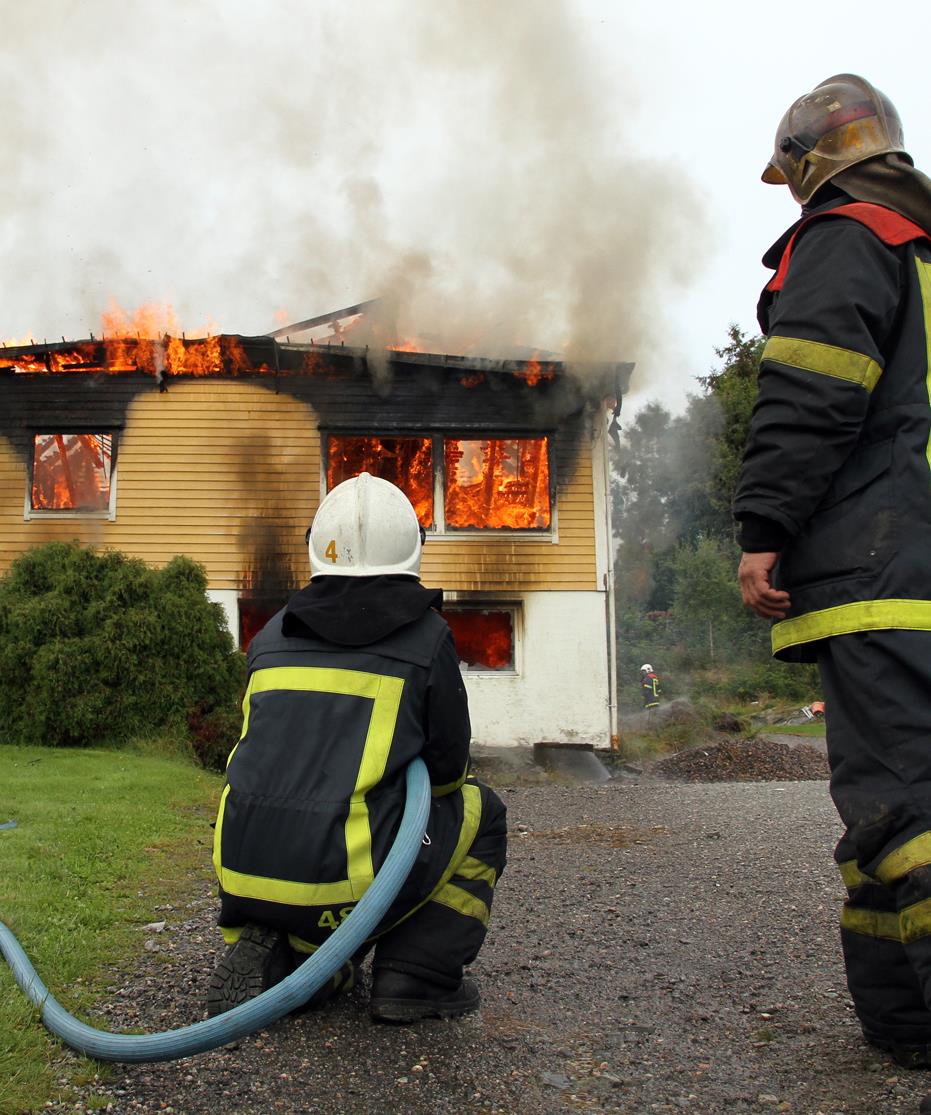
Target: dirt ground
{"x":656,"y":945}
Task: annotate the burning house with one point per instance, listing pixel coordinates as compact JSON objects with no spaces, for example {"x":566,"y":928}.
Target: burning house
{"x":221,"y":448}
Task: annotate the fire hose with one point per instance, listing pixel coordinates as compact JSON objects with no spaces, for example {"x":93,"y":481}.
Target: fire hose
{"x":291,"y":993}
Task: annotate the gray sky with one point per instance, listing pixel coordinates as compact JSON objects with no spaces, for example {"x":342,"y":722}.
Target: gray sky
{"x":578,"y":175}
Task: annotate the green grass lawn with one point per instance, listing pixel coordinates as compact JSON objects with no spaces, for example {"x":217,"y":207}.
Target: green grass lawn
{"x":102,"y":838}
{"x":816,"y":728}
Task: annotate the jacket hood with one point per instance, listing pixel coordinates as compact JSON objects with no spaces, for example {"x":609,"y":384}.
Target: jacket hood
{"x":356,"y":611}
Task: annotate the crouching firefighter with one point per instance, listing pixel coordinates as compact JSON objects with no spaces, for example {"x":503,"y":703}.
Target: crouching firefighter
{"x":352,"y":680}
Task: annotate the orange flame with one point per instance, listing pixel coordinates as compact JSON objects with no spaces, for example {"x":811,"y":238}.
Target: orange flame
{"x":404,"y":461}
{"x":71,"y":472}
{"x":484,"y":639}
{"x":502,"y":482}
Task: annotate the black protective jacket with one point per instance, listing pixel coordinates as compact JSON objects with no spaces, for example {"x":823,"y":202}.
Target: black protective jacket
{"x":836,"y":474}
{"x":315,"y":788}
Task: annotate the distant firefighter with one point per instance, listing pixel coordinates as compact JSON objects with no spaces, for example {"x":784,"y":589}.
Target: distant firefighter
{"x":649,"y":686}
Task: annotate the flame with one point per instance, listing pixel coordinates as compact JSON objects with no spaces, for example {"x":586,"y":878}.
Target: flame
{"x":533,"y":373}
{"x":71,"y":472}
{"x":404,"y":461}
{"x":410,"y":345}
{"x":484,"y":638}
{"x":502,"y":482}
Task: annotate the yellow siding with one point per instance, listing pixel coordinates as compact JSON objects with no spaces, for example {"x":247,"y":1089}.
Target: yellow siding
{"x":229,"y":473}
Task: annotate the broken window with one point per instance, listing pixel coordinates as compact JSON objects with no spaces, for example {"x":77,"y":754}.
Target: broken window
{"x":497,"y":482}
{"x":72,"y":472}
{"x":405,"y":461}
{"x":484,"y":637}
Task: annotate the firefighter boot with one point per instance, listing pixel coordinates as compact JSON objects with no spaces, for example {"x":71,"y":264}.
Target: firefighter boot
{"x":400,"y":997}
{"x":924,"y":1108}
{"x":260,"y":958}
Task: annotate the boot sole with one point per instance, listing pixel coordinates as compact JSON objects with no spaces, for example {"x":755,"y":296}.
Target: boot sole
{"x":242,"y":974}
{"x":413,"y":1010}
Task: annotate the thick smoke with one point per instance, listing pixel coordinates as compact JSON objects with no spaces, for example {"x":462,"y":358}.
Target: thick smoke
{"x":472,"y":162}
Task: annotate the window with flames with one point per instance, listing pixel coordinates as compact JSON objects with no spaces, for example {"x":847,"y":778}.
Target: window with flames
{"x":484,"y":637}
{"x":455,"y":484}
{"x":72,"y":473}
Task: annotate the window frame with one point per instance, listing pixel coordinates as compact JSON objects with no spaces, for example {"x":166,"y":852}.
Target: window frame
{"x":516,"y":611}
{"x":102,"y":515}
{"x":440,"y":532}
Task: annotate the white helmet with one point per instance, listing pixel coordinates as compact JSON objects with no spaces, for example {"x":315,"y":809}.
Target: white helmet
{"x":646,"y":668}
{"x":365,"y":527}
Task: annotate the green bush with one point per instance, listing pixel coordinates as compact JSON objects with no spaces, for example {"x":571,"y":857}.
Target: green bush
{"x":97,"y":648}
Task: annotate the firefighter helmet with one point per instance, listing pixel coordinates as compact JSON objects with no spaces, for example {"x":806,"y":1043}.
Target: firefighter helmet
{"x":363,"y":528}
{"x":646,"y":668}
{"x":841,"y":122}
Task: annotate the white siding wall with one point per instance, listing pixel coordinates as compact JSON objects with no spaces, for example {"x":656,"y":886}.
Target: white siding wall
{"x":560,"y":692}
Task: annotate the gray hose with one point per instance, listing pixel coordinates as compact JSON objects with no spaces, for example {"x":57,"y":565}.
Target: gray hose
{"x":266,"y":1008}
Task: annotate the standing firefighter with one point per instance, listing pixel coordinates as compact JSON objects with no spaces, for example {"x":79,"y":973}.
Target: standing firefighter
{"x":347,"y":684}
{"x":649,"y":686}
{"x":834,"y":505}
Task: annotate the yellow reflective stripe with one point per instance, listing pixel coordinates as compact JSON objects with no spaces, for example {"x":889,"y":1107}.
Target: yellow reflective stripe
{"x":385,"y":693}
{"x":871,"y":923}
{"x":387,"y":698}
{"x":853,"y":876}
{"x":455,"y":898}
{"x":300,"y":945}
{"x":828,"y":360}
{"x":924,"y":284}
{"x":450,"y":787}
{"x":862,"y":615}
{"x":218,"y":835}
{"x":284,"y":891}
{"x":231,"y":936}
{"x":916,"y":920}
{"x":913,"y":853}
{"x":472,"y":868}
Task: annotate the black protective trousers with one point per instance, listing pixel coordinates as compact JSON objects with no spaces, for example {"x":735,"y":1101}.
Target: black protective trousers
{"x":877,"y":691}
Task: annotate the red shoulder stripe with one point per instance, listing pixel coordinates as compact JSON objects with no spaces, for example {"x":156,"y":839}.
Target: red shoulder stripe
{"x":891,"y":227}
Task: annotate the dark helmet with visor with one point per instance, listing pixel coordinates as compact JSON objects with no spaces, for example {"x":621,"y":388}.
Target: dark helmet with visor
{"x":841,"y":122}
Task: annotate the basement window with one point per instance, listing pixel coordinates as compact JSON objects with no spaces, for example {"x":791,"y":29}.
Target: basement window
{"x":73,"y":474}
{"x":484,"y":638}
{"x":254,"y":613}
{"x":456,"y":485}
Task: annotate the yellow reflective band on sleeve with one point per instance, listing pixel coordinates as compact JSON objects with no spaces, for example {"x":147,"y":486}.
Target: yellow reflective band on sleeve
{"x":913,"y":853}
{"x":450,"y":787}
{"x":916,"y":920}
{"x":871,"y":923}
{"x":853,"y":877}
{"x":924,"y":284}
{"x":455,"y":898}
{"x":218,"y":835}
{"x":385,"y":694}
{"x":862,"y":615}
{"x":472,"y":868}
{"x":827,"y":360}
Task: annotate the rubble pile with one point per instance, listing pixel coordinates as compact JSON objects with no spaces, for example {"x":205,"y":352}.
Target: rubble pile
{"x":744,"y":760}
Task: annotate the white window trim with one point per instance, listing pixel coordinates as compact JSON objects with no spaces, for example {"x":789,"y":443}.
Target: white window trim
{"x":517,"y":621}
{"x":109,"y":515}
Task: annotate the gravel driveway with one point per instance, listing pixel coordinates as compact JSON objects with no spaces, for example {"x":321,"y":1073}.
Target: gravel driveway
{"x":654,"y":947}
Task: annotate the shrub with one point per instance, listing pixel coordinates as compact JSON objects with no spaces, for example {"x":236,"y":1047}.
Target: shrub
{"x":98,"y":648}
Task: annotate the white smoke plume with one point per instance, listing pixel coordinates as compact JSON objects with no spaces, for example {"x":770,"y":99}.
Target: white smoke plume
{"x":467,"y":160}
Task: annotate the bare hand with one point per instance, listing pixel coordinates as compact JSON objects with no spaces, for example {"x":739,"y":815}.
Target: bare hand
{"x":756,"y":586}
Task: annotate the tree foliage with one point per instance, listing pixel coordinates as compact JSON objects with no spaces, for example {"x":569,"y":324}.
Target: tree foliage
{"x":99,"y":648}
{"x":675,"y":478}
